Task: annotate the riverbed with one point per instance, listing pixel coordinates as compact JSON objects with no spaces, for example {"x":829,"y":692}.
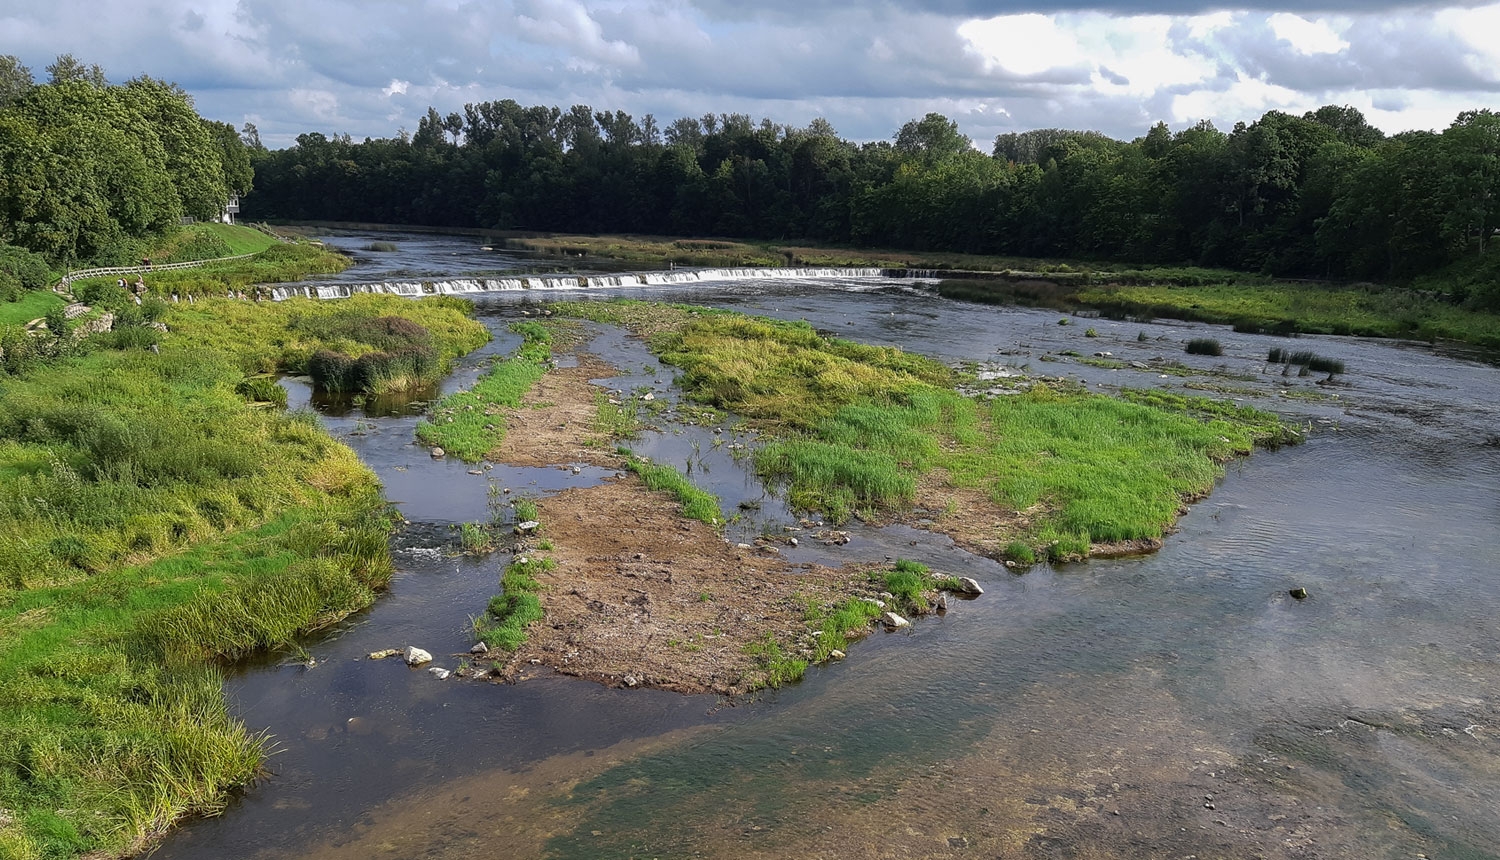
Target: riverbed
{"x":1179,"y":703}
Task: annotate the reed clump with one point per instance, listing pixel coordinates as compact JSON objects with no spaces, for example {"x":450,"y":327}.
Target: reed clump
{"x":1307,"y":359}
{"x":1204,"y":346}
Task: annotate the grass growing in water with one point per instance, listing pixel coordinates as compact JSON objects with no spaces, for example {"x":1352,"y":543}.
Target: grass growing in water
{"x":697,"y":504}
{"x":1204,"y":346}
{"x":516,"y":607}
{"x":463,"y":423}
{"x":1310,"y":360}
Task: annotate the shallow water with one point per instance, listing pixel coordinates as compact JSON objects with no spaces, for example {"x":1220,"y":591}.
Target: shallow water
{"x":1172,"y":705}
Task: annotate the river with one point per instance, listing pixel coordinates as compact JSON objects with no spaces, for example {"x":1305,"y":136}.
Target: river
{"x":1178,"y":704}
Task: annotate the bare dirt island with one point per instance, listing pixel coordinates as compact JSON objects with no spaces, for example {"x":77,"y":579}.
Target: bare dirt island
{"x":641,"y":596}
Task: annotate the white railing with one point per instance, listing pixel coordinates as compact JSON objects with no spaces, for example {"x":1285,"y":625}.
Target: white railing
{"x":81,"y":274}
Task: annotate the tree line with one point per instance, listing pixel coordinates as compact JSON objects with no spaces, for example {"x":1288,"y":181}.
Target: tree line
{"x":92,"y":172}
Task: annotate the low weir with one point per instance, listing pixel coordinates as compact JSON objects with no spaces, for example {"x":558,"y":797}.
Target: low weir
{"x":461,"y":286}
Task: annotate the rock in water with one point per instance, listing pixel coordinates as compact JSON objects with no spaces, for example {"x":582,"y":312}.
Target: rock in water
{"x":893,"y":620}
{"x":438,"y":453}
{"x":384,"y":653}
{"x":942,"y":603}
{"x":416,"y":656}
{"x":440,"y":673}
{"x":970,"y":586}
{"x":479,"y":648}
{"x":1299,"y":592}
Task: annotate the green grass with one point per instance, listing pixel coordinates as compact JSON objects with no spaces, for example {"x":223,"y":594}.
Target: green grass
{"x":33,"y":305}
{"x":277,"y":263}
{"x":858,"y":427}
{"x":697,"y":503}
{"x":466,"y":424}
{"x":1310,"y":309}
{"x":516,"y":607}
{"x":153,"y":521}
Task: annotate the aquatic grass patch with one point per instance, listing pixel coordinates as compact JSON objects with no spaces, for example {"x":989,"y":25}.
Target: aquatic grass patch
{"x":1305,"y":358}
{"x":616,"y":419}
{"x":697,"y":503}
{"x":467,"y":424}
{"x":1204,"y":346}
{"x":777,"y":667}
{"x":516,"y":607}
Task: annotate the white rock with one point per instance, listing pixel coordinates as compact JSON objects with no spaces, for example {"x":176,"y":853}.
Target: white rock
{"x":479,"y":648}
{"x":969,"y":585}
{"x":630,"y":680}
{"x":836,"y":654}
{"x":415,"y":656}
{"x":527,"y":527}
{"x":440,"y":673}
{"x":438,"y":453}
{"x":891,"y":619}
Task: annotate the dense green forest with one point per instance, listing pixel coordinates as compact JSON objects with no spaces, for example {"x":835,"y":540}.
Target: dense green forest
{"x":1324,"y":195}
{"x":92,"y":172}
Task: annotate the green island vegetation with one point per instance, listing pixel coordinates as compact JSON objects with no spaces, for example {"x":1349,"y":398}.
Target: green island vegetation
{"x":517,"y":606}
{"x":858,"y":427}
{"x":831,"y":626}
{"x":465,"y":423}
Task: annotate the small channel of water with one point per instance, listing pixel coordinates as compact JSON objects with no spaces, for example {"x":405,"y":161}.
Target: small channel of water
{"x":1175,"y":704}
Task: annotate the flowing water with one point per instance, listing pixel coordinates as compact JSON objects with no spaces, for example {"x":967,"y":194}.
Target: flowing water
{"x":1174,"y":705}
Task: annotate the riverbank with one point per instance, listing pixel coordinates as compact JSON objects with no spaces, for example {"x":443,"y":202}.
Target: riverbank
{"x":155,"y":520}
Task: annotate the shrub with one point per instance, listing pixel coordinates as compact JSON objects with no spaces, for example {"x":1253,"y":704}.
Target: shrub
{"x":27,"y":268}
{"x":331,"y":371}
{"x":128,"y":337}
{"x":1204,"y":346}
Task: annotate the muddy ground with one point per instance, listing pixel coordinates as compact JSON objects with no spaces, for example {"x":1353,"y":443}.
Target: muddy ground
{"x":642,"y":596}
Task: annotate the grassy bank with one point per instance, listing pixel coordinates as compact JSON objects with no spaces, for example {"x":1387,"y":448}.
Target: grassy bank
{"x":33,"y":305}
{"x":152,"y":520}
{"x":275,"y":264}
{"x":862,"y":429}
{"x":1248,"y":305}
{"x":466,"y":423}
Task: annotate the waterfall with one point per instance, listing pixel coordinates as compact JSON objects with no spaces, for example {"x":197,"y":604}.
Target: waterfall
{"x":461,"y":286}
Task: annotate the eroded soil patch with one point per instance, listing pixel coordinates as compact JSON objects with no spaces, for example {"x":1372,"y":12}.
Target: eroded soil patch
{"x":641,"y":596}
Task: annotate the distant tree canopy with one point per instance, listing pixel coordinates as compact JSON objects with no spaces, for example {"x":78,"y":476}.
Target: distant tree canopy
{"x":88,"y":168}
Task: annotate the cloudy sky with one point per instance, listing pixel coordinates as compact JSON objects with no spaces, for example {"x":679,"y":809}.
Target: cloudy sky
{"x":371,"y":67}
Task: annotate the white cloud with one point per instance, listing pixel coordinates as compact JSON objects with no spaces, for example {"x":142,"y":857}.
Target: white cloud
{"x":1308,"y":37}
{"x":1025,"y":45}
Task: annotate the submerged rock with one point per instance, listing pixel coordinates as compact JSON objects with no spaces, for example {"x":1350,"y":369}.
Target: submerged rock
{"x":439,"y":673}
{"x":381,"y":655}
{"x":416,"y":656}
